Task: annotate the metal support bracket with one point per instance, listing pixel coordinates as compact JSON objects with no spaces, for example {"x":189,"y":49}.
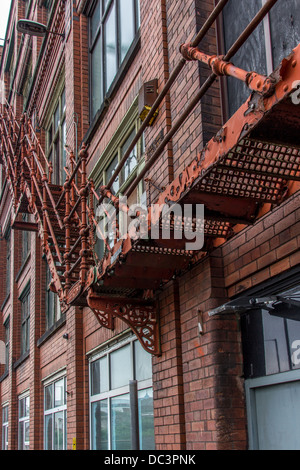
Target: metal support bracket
{"x":277,"y":305}
{"x":140,"y":316}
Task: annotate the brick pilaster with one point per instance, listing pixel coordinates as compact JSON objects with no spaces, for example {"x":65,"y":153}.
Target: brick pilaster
{"x":169,"y":419}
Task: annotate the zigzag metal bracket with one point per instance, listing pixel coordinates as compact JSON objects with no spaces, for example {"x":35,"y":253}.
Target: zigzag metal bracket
{"x":140,"y":316}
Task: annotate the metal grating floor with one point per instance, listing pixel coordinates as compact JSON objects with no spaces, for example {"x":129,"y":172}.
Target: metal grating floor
{"x":253,"y":169}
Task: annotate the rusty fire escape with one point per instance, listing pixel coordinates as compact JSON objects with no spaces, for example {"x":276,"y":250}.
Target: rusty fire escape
{"x":249,"y":163}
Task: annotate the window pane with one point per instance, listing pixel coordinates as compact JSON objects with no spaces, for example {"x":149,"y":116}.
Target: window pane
{"x":95,"y":21}
{"x":284,"y":19}
{"x":138,"y":13}
{"x":21,"y":408}
{"x":57,"y":308}
{"x":99,"y":243}
{"x":24,"y":407}
{"x":95,"y":377}
{"x":5,"y":414}
{"x":59,"y":393}
{"x":120,"y":367}
{"x":63,"y":101}
{"x":131,"y":161}
{"x":120,"y":423}
{"x":27,"y":406}
{"x":126,"y":25}
{"x":49,"y":397}
{"x":64,"y":153}
{"x":146,"y":419}
{"x":21,"y":436}
{"x":96,"y":77}
{"x":99,"y":423}
{"x":59,"y":431}
{"x":109,"y":172}
{"x":251,"y":56}
{"x":50,"y":135}
{"x":143,"y":362}
{"x":56,"y":118}
{"x":110,"y":47}
{"x":56,"y":168}
{"x":26,"y":435}
{"x":99,"y":376}
{"x":48,"y":432}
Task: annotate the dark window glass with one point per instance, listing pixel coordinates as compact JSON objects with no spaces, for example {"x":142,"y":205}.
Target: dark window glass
{"x":112,"y":28}
{"x":251,"y":56}
{"x":25,"y":322}
{"x":285,"y":32}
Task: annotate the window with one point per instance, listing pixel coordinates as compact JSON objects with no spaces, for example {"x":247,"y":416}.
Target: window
{"x":55,"y":414}
{"x":110,"y":373}
{"x":112,"y":28}
{"x":8,"y":262}
{"x":56,"y":151}
{"x":23,"y":430}
{"x":25,"y":321}
{"x":272,"y":40}
{"x":25,"y":240}
{"x":5,"y":427}
{"x":271,"y":339}
{"x":133,"y":165}
{"x":6,"y":340}
{"x":27,"y":81}
{"x":53,"y":311}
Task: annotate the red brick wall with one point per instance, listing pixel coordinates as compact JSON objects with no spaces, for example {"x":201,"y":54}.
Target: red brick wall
{"x":197,"y":379}
{"x":260,"y":252}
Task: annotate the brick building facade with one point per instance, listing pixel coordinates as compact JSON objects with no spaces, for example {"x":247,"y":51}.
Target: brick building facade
{"x":68,"y":381}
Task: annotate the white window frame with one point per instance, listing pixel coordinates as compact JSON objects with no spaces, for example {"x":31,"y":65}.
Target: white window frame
{"x":129,"y":123}
{"x":51,"y":381}
{"x":108,"y":10}
{"x":5,"y":427}
{"x":56,"y":137}
{"x":116,"y":392}
{"x":22,"y":421}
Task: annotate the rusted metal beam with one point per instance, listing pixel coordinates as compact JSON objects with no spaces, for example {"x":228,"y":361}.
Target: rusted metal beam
{"x":256,"y":82}
{"x":205,"y":87}
{"x":237,"y":163}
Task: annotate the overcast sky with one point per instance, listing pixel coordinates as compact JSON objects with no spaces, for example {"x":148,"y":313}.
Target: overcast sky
{"x":4,"y":11}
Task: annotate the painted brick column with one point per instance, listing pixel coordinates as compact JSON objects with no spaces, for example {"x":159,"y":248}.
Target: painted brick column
{"x":167,"y":376}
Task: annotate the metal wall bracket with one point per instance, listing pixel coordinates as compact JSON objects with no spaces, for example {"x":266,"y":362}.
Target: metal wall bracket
{"x":140,"y":316}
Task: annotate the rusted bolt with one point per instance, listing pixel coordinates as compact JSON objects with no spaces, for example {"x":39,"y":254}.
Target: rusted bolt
{"x":285,"y":88}
{"x":294,"y":63}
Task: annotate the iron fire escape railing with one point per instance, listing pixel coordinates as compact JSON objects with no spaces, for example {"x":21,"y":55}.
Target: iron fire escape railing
{"x":248,"y":163}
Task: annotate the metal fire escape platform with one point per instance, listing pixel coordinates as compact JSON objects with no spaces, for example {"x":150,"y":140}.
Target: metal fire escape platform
{"x":249,"y":166}
{"x":249,"y":163}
